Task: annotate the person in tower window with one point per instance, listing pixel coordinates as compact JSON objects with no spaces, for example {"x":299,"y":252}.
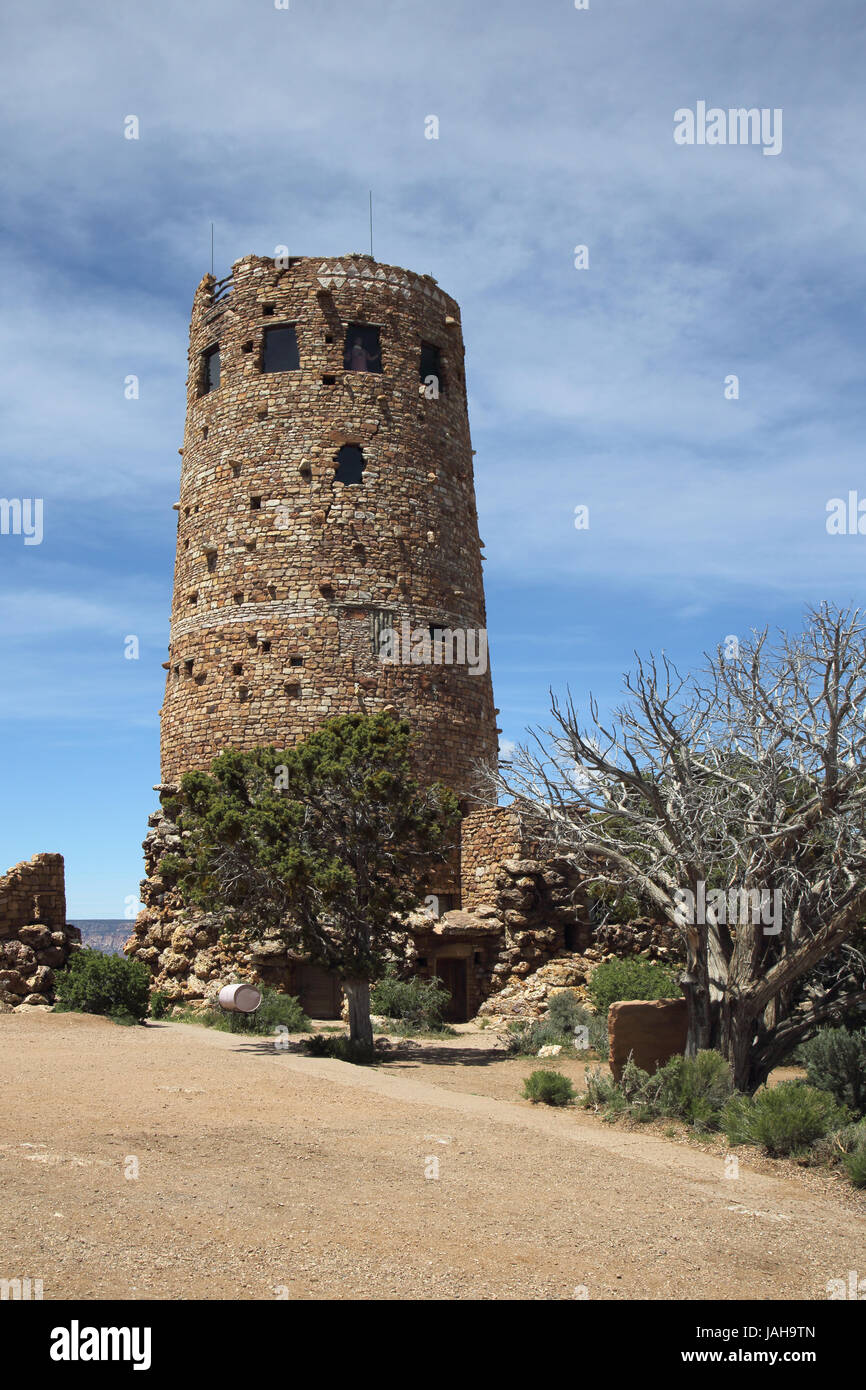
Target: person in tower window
{"x":358,"y":359}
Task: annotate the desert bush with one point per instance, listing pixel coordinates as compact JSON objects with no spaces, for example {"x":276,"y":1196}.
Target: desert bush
{"x":160,"y":1003}
{"x":784,"y":1120}
{"x":694,"y":1089}
{"x":601,"y":1089}
{"x":637,"y":978}
{"x":418,"y":1002}
{"x":832,"y":1148}
{"x":835,"y":1061}
{"x":525,"y":1038}
{"x":280,"y":1010}
{"x":549,"y":1088}
{"x":94,"y":983}
{"x":855,"y":1166}
{"x":276,"y":1011}
{"x":341,"y":1046}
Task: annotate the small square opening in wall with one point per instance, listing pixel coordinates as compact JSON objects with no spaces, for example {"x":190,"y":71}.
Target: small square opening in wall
{"x":262,"y":414}
{"x":268,"y":310}
{"x":247,"y":347}
{"x":329,"y":381}
{"x":329,"y":337}
{"x":187,"y":666}
{"x":292,"y":689}
{"x":243,"y":693}
{"x":255,"y":504}
{"x":192,"y":598}
{"x":296,"y":661}
{"x":252,"y":639}
{"x":237,"y":669}
{"x":238,"y":597}
{"x":266,"y":646}
{"x":272,"y":591}
{"x":236,"y":470}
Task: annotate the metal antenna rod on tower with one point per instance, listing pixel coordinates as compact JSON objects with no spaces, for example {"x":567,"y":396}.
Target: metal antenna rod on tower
{"x":371,"y":222}
{"x":211,"y":248}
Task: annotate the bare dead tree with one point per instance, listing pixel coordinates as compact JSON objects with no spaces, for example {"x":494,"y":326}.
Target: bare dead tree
{"x":732,"y":802}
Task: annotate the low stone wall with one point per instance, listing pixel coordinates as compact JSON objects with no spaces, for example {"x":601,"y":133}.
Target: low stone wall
{"x":35,"y":938}
{"x":651,"y":1030}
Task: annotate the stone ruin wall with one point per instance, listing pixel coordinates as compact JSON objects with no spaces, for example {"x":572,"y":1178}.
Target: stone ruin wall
{"x":35,"y":938}
{"x":526,"y":932}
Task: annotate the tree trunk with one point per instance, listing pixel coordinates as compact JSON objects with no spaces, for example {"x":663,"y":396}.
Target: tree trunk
{"x":358,"y":997}
{"x":736,"y":1045}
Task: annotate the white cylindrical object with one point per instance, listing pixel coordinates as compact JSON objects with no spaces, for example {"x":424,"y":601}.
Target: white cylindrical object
{"x":241,"y":999}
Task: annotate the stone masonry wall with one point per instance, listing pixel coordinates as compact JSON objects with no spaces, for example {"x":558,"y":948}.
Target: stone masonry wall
{"x":35,"y":938}
{"x":284,"y":576}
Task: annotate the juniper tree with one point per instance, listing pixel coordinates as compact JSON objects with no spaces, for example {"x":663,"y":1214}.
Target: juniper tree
{"x":745,"y":778}
{"x":328,"y":844}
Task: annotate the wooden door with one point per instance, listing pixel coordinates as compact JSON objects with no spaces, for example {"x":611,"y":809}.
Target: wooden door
{"x":319,"y":992}
{"x":452,"y":973}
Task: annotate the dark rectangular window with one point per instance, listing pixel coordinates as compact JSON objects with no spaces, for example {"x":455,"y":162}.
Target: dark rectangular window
{"x":362,"y":352}
{"x":211,"y":374}
{"x":280,"y":350}
{"x":431,"y":368}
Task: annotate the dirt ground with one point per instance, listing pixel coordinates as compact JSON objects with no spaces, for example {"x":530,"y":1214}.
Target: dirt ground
{"x":173,"y":1162}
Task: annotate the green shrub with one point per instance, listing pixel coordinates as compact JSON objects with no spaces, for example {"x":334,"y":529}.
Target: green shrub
{"x":549,"y":1087}
{"x":277,"y":1012}
{"x":526,"y":1038}
{"x":94,"y":983}
{"x":855,"y":1166}
{"x":564,"y":1012}
{"x":416,"y":1001}
{"x":160,"y":1003}
{"x":637,"y":978}
{"x":342,"y":1047}
{"x":694,"y":1089}
{"x":832,"y":1148}
{"x":281,"y":1011}
{"x":601,"y":1091}
{"x":784,"y":1119}
{"x":835,"y":1061}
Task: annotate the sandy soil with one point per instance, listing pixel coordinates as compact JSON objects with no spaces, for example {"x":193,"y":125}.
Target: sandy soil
{"x":264,"y":1173}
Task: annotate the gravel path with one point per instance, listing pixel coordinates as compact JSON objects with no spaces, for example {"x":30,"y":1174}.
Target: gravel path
{"x":265,"y":1173}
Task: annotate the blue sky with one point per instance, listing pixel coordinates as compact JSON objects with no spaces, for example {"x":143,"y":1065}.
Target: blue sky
{"x":602,"y":386}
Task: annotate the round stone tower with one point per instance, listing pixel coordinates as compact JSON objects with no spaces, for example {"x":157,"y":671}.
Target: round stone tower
{"x":328,"y":557}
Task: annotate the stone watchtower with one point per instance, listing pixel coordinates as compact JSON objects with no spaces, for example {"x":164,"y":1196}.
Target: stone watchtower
{"x":327,"y":501}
